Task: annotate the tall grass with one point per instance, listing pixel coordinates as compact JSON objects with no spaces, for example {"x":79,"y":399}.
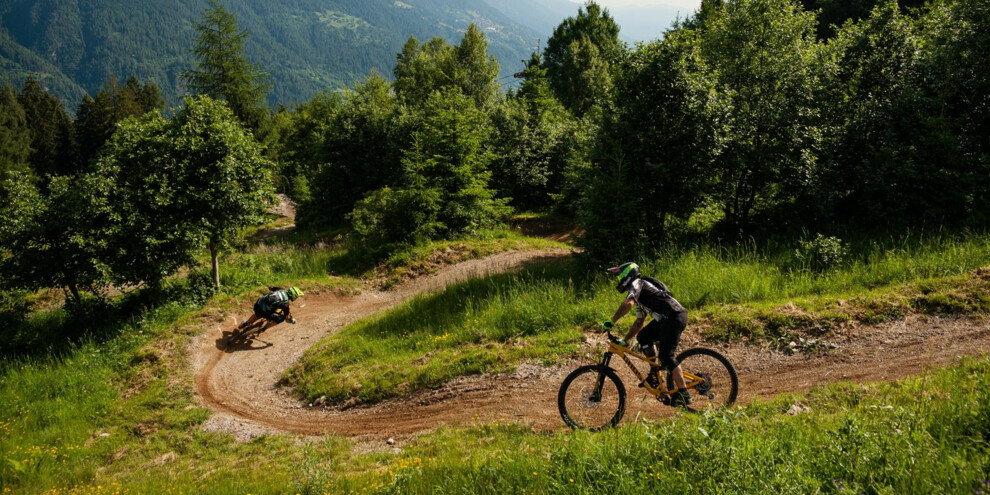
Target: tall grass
{"x":921,"y":435}
{"x":118,"y":415}
{"x":492,"y":325}
{"x":742,"y":273}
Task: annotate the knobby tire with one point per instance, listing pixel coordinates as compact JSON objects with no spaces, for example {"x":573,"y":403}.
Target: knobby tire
{"x":722,"y":386}
{"x":579,"y":407}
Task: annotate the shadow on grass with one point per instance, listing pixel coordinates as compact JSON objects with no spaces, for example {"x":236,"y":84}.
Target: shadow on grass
{"x":97,"y":319}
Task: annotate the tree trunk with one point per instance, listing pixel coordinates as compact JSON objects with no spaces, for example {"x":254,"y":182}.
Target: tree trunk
{"x":216,"y":264}
{"x":76,"y":298}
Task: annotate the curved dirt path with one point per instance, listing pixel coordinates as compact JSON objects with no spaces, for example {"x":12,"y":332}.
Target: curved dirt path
{"x":240,"y":385}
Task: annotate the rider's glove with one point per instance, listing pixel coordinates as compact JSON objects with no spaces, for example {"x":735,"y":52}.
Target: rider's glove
{"x":607,"y":326}
{"x":621,"y":342}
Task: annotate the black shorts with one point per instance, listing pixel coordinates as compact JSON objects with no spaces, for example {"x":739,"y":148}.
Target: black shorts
{"x":666,"y":333}
{"x":259,"y":310}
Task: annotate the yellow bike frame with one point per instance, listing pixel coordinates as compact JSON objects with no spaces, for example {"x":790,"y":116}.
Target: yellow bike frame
{"x":690,"y":380}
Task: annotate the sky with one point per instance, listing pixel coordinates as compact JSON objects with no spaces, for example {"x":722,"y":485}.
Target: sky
{"x":687,"y":5}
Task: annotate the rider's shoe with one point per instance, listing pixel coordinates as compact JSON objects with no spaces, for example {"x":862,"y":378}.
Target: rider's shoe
{"x":653,"y":377}
{"x":680,"y":398}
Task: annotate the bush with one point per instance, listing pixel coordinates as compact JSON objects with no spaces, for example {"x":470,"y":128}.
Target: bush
{"x":821,"y":253}
{"x":394,"y":216}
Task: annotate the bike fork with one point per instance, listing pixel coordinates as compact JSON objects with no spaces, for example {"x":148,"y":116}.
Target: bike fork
{"x":597,"y":395}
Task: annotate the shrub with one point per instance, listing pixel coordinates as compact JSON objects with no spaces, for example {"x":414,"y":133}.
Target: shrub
{"x":821,"y":253}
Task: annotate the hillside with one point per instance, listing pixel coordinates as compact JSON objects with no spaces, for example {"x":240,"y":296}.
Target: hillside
{"x":306,"y":45}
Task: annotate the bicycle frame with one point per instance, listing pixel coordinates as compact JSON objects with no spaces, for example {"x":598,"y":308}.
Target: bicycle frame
{"x":690,"y":380}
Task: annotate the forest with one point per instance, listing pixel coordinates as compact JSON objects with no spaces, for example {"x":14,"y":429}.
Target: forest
{"x":748,"y":120}
{"x":306,"y":45}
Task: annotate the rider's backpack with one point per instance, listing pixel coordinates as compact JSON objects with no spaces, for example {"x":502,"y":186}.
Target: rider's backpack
{"x":658,"y":298}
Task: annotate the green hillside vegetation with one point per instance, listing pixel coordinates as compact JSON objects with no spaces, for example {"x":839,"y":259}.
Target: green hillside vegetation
{"x":117,"y":415}
{"x":307,"y":45}
{"x":544,"y":313}
{"x":781,"y":176}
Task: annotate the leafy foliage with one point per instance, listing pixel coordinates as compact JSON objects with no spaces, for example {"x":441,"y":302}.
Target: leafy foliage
{"x":195,"y":179}
{"x":580,"y":56}
{"x":446,"y":176}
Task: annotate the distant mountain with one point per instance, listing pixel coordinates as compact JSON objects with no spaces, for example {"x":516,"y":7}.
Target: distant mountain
{"x":636,"y":23}
{"x":74,"y":46}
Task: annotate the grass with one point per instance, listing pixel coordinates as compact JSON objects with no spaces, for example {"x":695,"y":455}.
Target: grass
{"x":540,"y":314}
{"x":926,"y":434}
{"x":114,"y":412}
{"x":921,"y":435}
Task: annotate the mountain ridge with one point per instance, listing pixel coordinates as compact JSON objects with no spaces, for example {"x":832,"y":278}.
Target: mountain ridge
{"x":306,"y":45}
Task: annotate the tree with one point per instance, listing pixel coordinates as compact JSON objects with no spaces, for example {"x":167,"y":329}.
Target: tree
{"x":178,"y":184}
{"x":655,"y":156}
{"x":580,"y":57}
{"x":422,"y":69}
{"x":52,"y":239}
{"x":15,"y":137}
{"x":475,"y":71}
{"x":223,"y":72}
{"x":958,"y":65}
{"x":225,"y":178}
{"x":764,"y":55}
{"x":535,"y":143}
{"x":52,"y":141}
{"x":356,"y":141}
{"x":97,"y":118}
{"x":444,"y":190}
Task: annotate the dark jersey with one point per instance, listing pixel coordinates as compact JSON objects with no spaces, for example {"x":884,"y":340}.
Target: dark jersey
{"x":652,"y":300}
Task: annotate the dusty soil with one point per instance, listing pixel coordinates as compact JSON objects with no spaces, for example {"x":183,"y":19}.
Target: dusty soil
{"x":240,"y":384}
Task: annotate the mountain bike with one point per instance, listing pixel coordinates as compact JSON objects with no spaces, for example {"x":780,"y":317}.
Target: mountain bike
{"x":593,"y":397}
{"x":249,"y":332}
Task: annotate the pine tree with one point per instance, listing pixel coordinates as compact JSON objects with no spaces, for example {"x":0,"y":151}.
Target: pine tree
{"x":223,"y":72}
{"x":97,"y":118}
{"x":15,"y":138}
{"x":52,"y":140}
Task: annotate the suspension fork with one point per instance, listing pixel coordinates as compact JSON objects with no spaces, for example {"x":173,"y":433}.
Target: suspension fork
{"x":597,"y":395}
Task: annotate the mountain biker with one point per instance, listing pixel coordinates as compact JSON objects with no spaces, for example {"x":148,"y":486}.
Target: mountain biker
{"x":651,"y":297}
{"x":268,"y":305}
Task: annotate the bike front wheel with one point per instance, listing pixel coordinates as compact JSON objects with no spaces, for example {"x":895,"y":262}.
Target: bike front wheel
{"x":710,"y":378}
{"x":592,"y":398}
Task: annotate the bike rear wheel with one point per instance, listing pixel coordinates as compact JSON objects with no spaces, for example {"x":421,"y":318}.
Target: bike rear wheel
{"x":241,"y":334}
{"x":710,"y":378}
{"x":592,"y":398}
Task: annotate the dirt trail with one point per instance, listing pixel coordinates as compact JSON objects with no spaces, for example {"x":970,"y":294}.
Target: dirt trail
{"x":239,"y":384}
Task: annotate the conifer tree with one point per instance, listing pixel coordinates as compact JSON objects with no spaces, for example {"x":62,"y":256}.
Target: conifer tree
{"x":52,"y":139}
{"x":580,"y":57}
{"x":97,"y":118}
{"x":15,"y":139}
{"x":223,"y":72}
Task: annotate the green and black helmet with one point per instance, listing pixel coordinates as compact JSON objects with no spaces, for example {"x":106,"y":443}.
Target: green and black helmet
{"x":626,"y":273}
{"x":293,"y":293}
